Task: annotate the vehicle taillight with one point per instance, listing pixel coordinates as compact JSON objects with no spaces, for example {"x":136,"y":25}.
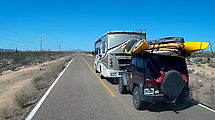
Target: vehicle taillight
{"x":150,"y":83}
{"x":160,"y":79}
{"x":150,"y":87}
{"x":185,"y":78}
{"x":111,"y":62}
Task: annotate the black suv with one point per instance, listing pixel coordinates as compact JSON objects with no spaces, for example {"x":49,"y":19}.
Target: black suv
{"x":155,"y":78}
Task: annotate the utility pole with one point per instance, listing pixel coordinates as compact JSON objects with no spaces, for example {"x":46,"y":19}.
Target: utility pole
{"x":59,"y":47}
{"x":41,"y":43}
{"x":211,"y":49}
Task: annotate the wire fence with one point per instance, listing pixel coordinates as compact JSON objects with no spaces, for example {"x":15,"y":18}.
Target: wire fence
{"x":13,"y":40}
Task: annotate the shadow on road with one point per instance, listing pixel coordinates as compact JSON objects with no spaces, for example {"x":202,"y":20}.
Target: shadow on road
{"x":112,"y":81}
{"x":160,"y":107}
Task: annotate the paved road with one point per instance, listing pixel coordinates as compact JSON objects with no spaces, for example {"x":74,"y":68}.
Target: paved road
{"x":79,"y":95}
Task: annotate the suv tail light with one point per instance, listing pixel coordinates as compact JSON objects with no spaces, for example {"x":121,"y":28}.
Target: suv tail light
{"x":185,"y":78}
{"x":154,"y":85}
{"x":160,"y":78}
{"x":111,"y":62}
{"x":150,"y":87}
{"x":150,"y":83}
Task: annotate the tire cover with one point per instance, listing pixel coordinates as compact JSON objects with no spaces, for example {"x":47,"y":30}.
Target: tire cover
{"x":172,"y":84}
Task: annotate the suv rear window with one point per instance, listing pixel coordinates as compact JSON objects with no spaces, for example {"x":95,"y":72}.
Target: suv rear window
{"x":156,"y":63}
{"x":140,"y":67}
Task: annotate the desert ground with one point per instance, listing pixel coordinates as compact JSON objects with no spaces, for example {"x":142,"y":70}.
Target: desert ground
{"x":202,"y":80}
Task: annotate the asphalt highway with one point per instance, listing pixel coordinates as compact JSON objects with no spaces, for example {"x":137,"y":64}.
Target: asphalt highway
{"x":80,"y":95}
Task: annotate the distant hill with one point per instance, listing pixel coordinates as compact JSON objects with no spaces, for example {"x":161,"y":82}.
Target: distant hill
{"x":7,"y":50}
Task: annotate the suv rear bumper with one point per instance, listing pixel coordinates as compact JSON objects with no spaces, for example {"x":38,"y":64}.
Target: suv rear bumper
{"x":156,"y":98}
{"x":153,"y":98}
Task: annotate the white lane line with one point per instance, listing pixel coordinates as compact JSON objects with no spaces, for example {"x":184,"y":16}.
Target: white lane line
{"x":201,"y":105}
{"x":206,"y":107}
{"x":33,"y":112}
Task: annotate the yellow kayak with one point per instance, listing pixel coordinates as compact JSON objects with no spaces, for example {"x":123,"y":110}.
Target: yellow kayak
{"x":168,"y":45}
{"x":191,"y":47}
{"x":135,"y":46}
{"x":142,"y":45}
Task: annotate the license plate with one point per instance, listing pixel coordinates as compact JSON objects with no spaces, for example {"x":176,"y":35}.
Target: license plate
{"x":113,"y":74}
{"x":148,"y":91}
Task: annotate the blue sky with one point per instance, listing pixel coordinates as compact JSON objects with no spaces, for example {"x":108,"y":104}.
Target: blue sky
{"x":77,"y":24}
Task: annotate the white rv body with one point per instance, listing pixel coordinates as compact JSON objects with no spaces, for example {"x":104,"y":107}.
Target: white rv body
{"x":110,"y":60}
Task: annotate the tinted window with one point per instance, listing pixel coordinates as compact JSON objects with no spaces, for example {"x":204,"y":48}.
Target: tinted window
{"x":140,"y":65}
{"x":103,"y":47}
{"x":133,"y":63}
{"x":96,"y":50}
{"x":156,"y":63}
{"x":97,"y":47}
{"x":151,"y":71}
{"x":167,"y":63}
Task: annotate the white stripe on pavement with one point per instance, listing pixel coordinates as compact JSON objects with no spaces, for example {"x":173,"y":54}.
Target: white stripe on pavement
{"x":201,"y":105}
{"x":33,"y":112}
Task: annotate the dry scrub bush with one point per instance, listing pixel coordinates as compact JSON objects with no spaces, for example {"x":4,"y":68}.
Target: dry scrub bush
{"x":24,"y":98}
{"x":13,"y":60}
{"x":211,"y":65}
{"x":39,"y":83}
{"x":43,"y":81}
{"x":4,"y":113}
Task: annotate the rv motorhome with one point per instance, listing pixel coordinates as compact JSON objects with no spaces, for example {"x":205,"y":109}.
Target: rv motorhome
{"x":110,"y":60}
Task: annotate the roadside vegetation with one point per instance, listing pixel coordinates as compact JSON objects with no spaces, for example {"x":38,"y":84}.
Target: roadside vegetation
{"x":28,"y":84}
{"x":201,"y":69}
{"x":14,"y":60}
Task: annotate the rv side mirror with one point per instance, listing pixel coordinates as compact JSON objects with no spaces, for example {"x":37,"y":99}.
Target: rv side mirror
{"x":93,"y":53}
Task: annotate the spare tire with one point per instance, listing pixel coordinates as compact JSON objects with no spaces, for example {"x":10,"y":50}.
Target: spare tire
{"x":172,"y":84}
